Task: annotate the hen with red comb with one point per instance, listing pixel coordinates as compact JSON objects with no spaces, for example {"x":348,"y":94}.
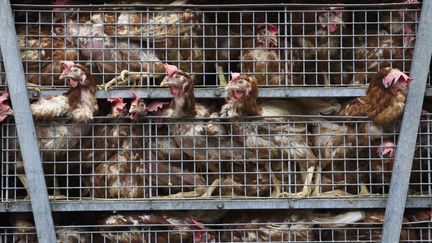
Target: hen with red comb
{"x":385,"y":97}
{"x":261,"y":57}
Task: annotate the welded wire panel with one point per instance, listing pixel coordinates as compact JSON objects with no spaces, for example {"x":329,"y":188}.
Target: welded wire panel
{"x":279,"y":157}
{"x":421,"y":180}
{"x":299,"y":45}
{"x":235,"y":226}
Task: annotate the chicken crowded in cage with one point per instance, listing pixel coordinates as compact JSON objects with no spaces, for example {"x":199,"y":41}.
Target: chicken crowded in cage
{"x":260,"y":57}
{"x":289,"y":141}
{"x":166,"y":227}
{"x":385,"y":97}
{"x":387,"y":41}
{"x":315,"y":46}
{"x":61,"y":120}
{"x":113,"y":42}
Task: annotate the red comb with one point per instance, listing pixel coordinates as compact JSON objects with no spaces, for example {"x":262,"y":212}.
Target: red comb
{"x":270,"y":27}
{"x":396,"y":75}
{"x":387,"y":147}
{"x":136,"y":98}
{"x":170,"y":69}
{"x":119,"y":104}
{"x":196,"y":225}
{"x":156,"y":105}
{"x":66,"y":65}
{"x":234,"y":76}
{"x":4,"y":97}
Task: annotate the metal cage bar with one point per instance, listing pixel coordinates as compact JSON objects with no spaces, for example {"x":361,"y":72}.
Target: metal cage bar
{"x":411,"y":120}
{"x":25,"y":126}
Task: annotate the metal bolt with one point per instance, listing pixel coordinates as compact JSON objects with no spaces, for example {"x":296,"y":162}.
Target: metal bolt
{"x":218,"y":92}
{"x":220,"y":205}
{"x":35,"y":94}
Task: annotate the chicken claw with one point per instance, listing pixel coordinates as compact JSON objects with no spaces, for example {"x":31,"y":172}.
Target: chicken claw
{"x":34,"y":87}
{"x":123,"y":79}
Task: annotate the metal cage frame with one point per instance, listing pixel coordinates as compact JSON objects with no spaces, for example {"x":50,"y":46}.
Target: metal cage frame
{"x":395,"y":204}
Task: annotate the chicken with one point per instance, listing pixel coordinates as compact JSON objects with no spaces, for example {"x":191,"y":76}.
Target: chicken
{"x":261,"y":58}
{"x":379,"y":50}
{"x":166,"y":227}
{"x":75,"y":108}
{"x":370,"y":230}
{"x":42,"y":54}
{"x":78,"y":104}
{"x":26,"y":231}
{"x":385,"y":97}
{"x":315,"y":42}
{"x":387,"y":40}
{"x":184,"y":30}
{"x":174,"y":178}
{"x":209,"y":148}
{"x":337,"y":143}
{"x":5,"y":109}
{"x":275,"y":140}
{"x":103,"y":50}
{"x":128,"y":161}
{"x":284,"y":226}
{"x":382,"y":170}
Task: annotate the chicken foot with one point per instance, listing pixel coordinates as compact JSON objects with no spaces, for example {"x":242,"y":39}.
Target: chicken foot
{"x":221,"y":76}
{"x":57,"y":195}
{"x":276,"y":183}
{"x":209,"y":192}
{"x":190,"y":194}
{"x":306,"y":186}
{"x":123,"y":79}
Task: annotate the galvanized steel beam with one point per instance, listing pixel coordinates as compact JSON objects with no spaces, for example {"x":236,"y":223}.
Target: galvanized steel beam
{"x":25,"y":127}
{"x":209,"y":93}
{"x":410,"y":123}
{"x":136,"y":205}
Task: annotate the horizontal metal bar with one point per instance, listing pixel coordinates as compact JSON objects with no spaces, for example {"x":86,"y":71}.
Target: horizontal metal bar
{"x":123,"y":205}
{"x":219,"y":92}
{"x":217,"y":6}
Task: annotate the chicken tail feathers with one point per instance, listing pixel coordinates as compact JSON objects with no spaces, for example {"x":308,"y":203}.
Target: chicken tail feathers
{"x":340,"y":220}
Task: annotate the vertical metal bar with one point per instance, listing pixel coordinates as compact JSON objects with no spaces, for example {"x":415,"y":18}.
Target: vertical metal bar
{"x":25,"y":126}
{"x":411,"y":119}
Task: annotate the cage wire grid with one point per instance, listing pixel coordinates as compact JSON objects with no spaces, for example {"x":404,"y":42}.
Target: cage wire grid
{"x":283,"y":47}
{"x":210,"y":44}
{"x":255,"y":158}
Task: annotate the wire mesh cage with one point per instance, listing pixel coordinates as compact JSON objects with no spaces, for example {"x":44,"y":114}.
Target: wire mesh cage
{"x":277,"y":157}
{"x":284,"y":226}
{"x":285,"y":45}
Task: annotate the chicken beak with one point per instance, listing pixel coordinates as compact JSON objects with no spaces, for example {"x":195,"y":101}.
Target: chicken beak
{"x":133,"y":109}
{"x":165,"y":83}
{"x":62,"y":76}
{"x":230,"y":87}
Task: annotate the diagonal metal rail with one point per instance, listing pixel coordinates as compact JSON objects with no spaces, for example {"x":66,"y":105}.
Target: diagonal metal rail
{"x":408,"y":133}
{"x":25,"y":127}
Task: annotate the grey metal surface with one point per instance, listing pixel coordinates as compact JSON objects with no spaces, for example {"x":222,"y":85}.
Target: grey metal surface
{"x":25,"y":126}
{"x":220,"y":92}
{"x":217,"y":204}
{"x":411,"y":119}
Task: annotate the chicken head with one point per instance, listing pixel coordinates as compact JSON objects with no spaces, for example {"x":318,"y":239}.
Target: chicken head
{"x":387,"y":148}
{"x":5,"y":109}
{"x":394,"y":80}
{"x":138,"y":107}
{"x":75,"y":73}
{"x":267,"y":35}
{"x":332,"y":19}
{"x":118,"y":108}
{"x":241,"y":85}
{"x":177,"y":80}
